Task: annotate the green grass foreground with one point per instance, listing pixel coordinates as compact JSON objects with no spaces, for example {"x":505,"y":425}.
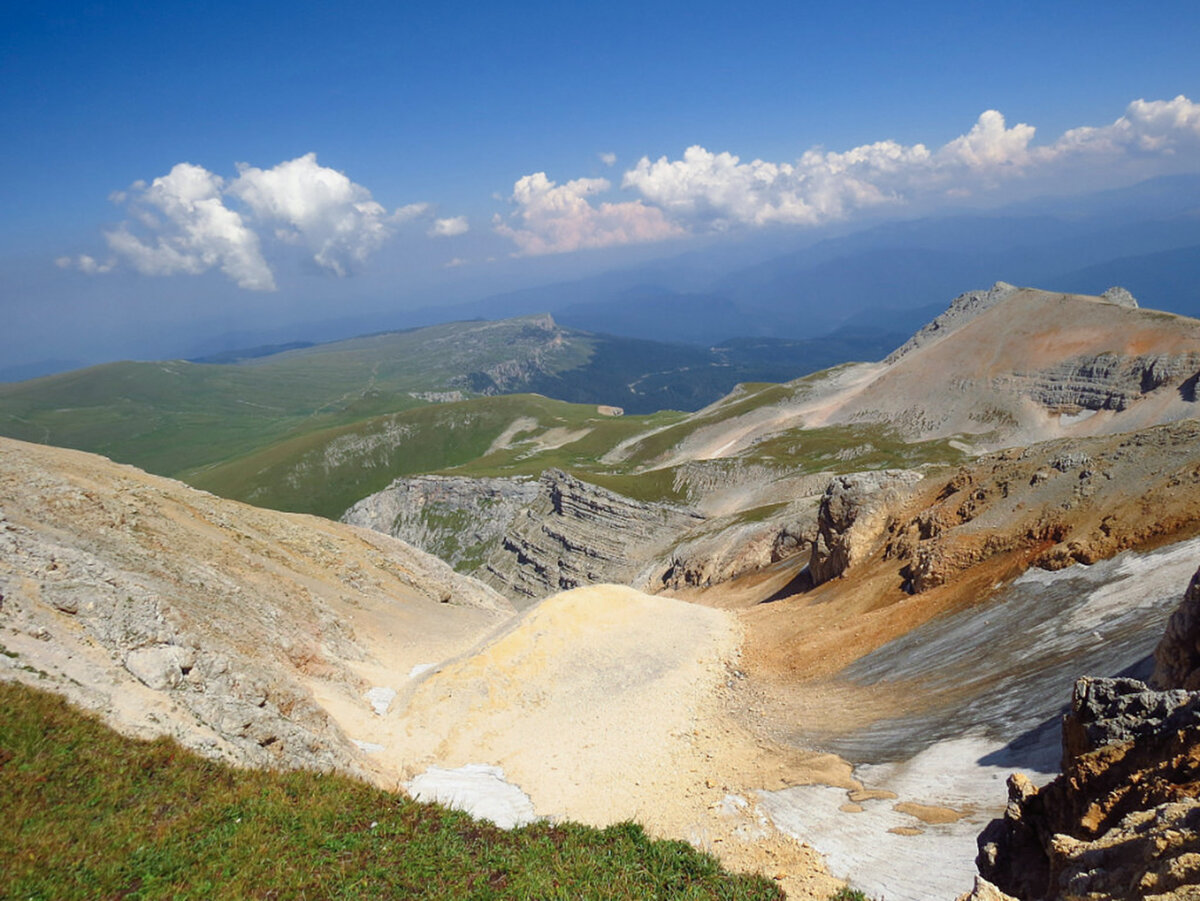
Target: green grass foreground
{"x":87,"y":813}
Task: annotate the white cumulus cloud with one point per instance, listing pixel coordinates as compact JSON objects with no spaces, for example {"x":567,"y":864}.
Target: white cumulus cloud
{"x":609,"y":159}
{"x":317,"y":207}
{"x":448,"y":228}
{"x":1163,"y":127}
{"x":193,"y":231}
{"x":719,"y":189}
{"x":553,"y":218}
{"x":703,"y":189}
{"x":192,"y":220}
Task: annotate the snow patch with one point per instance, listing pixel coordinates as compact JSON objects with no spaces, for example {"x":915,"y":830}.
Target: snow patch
{"x":478,"y":789}
{"x":381,"y":699}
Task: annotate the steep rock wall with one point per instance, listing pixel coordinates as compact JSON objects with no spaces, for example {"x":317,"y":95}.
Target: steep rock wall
{"x":455,"y":518}
{"x":576,"y":534}
{"x":1104,"y":381}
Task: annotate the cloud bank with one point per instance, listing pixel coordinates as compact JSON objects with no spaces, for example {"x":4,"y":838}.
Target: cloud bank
{"x":705,"y":190}
{"x":190,"y":221}
{"x":553,"y":218}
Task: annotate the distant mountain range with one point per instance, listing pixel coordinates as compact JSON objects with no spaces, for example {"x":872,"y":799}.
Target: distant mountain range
{"x":1145,"y":237}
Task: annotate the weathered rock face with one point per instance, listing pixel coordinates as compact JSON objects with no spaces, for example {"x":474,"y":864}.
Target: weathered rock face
{"x":171,"y":611}
{"x":455,"y":518}
{"x":1050,"y":505}
{"x":577,"y":534}
{"x":1177,"y":657}
{"x":1123,"y":819}
{"x":733,"y":549}
{"x":852,"y":516}
{"x":1104,"y":381}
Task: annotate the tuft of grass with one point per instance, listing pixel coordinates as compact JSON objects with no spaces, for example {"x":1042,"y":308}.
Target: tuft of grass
{"x":87,"y":813}
{"x":848,"y":894}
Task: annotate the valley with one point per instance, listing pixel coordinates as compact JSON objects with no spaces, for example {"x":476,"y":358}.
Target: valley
{"x":808,"y":626}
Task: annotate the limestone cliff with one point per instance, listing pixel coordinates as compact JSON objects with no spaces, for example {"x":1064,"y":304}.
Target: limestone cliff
{"x":574,"y":534}
{"x":455,"y":518}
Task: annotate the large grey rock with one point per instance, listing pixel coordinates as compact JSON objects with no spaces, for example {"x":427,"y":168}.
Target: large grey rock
{"x":1114,"y":711}
{"x":160,"y":667}
{"x":852,"y":515}
{"x":1120,"y":296}
{"x":1177,"y":657}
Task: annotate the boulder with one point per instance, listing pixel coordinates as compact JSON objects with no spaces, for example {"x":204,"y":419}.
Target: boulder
{"x":852,"y":516}
{"x":159,"y":667}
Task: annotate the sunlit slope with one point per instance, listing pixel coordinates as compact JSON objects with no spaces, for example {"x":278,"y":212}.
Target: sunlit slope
{"x":999,"y":367}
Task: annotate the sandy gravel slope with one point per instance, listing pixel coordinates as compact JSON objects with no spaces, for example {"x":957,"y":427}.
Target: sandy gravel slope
{"x":605,"y":704}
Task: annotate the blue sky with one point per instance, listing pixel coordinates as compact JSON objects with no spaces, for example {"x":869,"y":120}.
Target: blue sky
{"x":393,"y":150}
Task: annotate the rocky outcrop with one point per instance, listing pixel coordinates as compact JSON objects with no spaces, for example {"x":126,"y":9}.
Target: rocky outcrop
{"x":1105,"y":381}
{"x":576,"y":534}
{"x":1123,"y":819}
{"x":458,"y":519}
{"x":852,"y":516}
{"x":733,"y":548}
{"x":1049,"y":505}
{"x":962,"y":310}
{"x":1177,"y":657}
{"x":1120,"y":296}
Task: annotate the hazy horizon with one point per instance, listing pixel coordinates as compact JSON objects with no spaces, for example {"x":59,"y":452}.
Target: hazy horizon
{"x":177,"y":179}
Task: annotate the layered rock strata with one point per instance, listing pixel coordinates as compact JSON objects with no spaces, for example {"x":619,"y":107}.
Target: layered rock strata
{"x":456,"y":518}
{"x":1105,"y":381}
{"x":576,"y":534}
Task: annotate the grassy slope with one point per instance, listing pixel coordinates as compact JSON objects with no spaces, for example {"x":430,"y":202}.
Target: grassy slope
{"x":325,"y":472}
{"x":86,"y":813}
{"x":170,"y":417}
{"x":173,"y":417}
